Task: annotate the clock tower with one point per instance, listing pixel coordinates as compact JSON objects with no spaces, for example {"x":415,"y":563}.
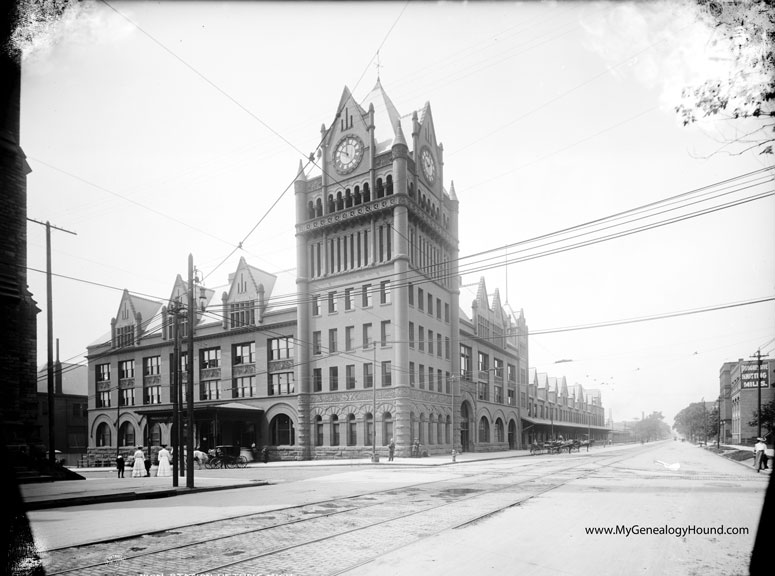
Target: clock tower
{"x":377,"y":285}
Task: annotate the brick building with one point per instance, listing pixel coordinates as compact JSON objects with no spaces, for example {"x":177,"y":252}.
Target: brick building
{"x":372,"y":345}
{"x":70,"y":409}
{"x":744,"y":376}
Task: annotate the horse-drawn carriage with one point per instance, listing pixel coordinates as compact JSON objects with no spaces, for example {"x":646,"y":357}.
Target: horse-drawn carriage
{"x":557,"y":446}
{"x":225,"y":457}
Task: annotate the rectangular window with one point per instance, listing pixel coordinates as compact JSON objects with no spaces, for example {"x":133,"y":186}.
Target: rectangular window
{"x":499,"y":394}
{"x":350,"y":376}
{"x":430,"y":378}
{"x":446,"y":312}
{"x":384,"y":292}
{"x":420,"y":295}
{"x":411,"y":334}
{"x":466,"y":362}
{"x":366,"y":295}
{"x":243,"y":387}
{"x":411,"y":374}
{"x":484,"y":365}
{"x":447,"y":382}
{"x":438,"y":380}
{"x":430,"y":342}
{"x":316,"y":305}
{"x":498,"y":365}
{"x":438,"y":308}
{"x":281,"y":348}
{"x":332,"y":338}
{"x":410,"y":288}
{"x":510,"y":398}
{"x":332,"y":302}
{"x":349,"y":335}
{"x":210,"y":390}
{"x":210,"y":358}
{"x":282,"y":383}
{"x":127,"y":397}
{"x":317,"y":346}
{"x":368,"y":375}
{"x":386,"y":374}
{"x":385,"y":333}
{"x":317,"y":380}
{"x":126,"y":369}
{"x":242,"y":314}
{"x":152,"y":395}
{"x":348,"y":299}
{"x":430,"y":304}
{"x":421,"y":339}
{"x":245,"y":353}
{"x":446,"y":347}
{"x":484,"y":391}
{"x":421,"y":374}
{"x":366,"y":335}
{"x":103,"y":400}
{"x":333,"y":378}
{"x":103,"y":372}
{"x":151,"y":366}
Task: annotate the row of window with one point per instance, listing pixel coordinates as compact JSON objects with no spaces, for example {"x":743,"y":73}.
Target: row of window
{"x":540,"y":411}
{"x":483,"y":366}
{"x":423,"y":298}
{"x":421,"y":341}
{"x":350,"y":381}
{"x":348,"y":296}
{"x":385,"y":334}
{"x":350,"y":251}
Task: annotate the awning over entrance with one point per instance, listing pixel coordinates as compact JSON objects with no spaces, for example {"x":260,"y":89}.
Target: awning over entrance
{"x":164,"y":411}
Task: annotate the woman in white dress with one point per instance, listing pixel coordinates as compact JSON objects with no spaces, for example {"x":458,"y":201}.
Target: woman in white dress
{"x":164,"y":462}
{"x":138,"y":470}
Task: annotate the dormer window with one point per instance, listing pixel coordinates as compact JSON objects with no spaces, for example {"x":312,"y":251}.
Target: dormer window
{"x":242,"y":314}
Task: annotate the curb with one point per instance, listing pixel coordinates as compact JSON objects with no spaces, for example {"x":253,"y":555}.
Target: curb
{"x":129,"y":496}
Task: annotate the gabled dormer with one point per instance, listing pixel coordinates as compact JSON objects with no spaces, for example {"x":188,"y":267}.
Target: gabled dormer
{"x":348,"y":142}
{"x":178,"y":300}
{"x":428,"y":154}
{"x":131,"y":321}
{"x":245,"y":302}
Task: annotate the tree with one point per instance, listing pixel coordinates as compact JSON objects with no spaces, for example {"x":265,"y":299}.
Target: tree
{"x":697,"y":422}
{"x":651,"y":428}
{"x":745,"y":30}
{"x":768,"y":417}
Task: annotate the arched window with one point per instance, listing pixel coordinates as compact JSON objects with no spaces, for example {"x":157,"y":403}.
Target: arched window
{"x":387,"y":428}
{"x":431,"y":429}
{"x":440,"y":430}
{"x":411,"y":189}
{"x":380,"y":188}
{"x":319,"y":207}
{"x":334,"y":430}
{"x":389,"y":185}
{"x":411,"y":428}
{"x":369,"y":420}
{"x":281,"y":431}
{"x":448,"y":429}
{"x":348,"y":199}
{"x":421,"y":431}
{"x":103,"y":435}
{"x":366,"y":192}
{"x":330,"y":207}
{"x":126,"y":435}
{"x":357,"y":196}
{"x":318,"y":430}
{"x":499,"y":430}
{"x":310,"y":210}
{"x":484,"y":430}
{"x":339,"y":201}
{"x":352,"y":431}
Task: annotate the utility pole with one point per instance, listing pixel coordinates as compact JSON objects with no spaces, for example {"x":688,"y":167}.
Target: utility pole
{"x":758,"y":390}
{"x":175,"y":393}
{"x":374,"y":457}
{"x":190,"y":384}
{"x":50,"y":340}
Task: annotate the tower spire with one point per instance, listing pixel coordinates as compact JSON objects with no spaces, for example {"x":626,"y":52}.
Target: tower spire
{"x":378,"y":66}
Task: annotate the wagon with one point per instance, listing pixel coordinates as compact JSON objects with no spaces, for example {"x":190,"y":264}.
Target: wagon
{"x":226,"y":456}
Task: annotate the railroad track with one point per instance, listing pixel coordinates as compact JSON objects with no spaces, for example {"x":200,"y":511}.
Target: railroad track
{"x":329,"y":536}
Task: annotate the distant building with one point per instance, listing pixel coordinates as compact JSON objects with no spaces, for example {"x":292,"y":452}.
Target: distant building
{"x":745,"y":376}
{"x":71,"y":399}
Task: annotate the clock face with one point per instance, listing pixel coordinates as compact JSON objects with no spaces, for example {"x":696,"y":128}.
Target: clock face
{"x":348,"y":154}
{"x":428,"y":165}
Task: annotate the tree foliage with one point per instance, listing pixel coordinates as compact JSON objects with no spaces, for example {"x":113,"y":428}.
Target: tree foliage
{"x":651,"y":428}
{"x":768,"y":417}
{"x":697,"y":422}
{"x":745,"y":30}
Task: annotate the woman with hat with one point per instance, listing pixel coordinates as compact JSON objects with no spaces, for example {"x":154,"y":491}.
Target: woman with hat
{"x":760,"y":456}
{"x":138,"y":470}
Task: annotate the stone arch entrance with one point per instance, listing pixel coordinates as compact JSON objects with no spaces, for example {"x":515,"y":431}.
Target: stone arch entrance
{"x":512,"y":435}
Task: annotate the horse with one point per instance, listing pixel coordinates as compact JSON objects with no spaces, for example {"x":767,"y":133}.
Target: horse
{"x":201,"y":458}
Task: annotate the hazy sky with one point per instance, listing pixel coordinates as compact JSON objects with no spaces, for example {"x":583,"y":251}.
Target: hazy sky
{"x":177,"y":131}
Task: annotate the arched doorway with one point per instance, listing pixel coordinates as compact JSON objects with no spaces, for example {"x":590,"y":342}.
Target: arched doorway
{"x":464,"y":433}
{"x":512,"y":435}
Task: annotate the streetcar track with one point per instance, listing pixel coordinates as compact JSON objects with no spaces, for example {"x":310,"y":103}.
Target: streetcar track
{"x":357,"y":500}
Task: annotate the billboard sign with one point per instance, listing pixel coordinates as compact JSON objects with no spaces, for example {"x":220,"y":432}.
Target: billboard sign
{"x":752,"y":375}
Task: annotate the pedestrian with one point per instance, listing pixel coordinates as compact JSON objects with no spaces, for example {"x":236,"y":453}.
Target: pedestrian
{"x":120,"y":465}
{"x":760,"y":456}
{"x":391,"y":450}
{"x":147,"y":462}
{"x":138,"y":467}
{"x":164,"y":462}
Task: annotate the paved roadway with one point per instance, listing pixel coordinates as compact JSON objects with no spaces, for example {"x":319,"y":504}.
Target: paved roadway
{"x":509,"y":515}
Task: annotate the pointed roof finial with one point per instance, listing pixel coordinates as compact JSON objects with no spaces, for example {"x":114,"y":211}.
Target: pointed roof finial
{"x":300,"y":175}
{"x":378,"y":66}
{"x":452,"y":195}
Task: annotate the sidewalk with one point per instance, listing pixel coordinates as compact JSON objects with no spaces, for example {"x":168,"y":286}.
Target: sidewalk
{"x":95,"y":490}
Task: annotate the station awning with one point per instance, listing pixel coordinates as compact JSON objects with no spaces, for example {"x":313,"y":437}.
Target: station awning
{"x":164,"y":411}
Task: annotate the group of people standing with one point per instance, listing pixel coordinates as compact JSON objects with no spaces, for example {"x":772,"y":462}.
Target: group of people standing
{"x":142,"y":465}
